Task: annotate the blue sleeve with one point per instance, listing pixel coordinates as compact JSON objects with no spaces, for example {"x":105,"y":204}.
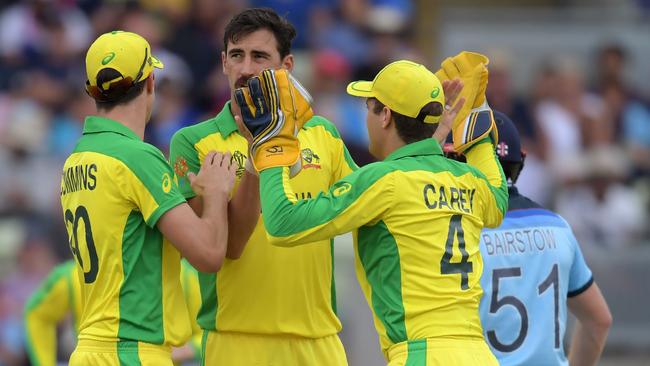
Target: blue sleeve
{"x":580,"y":277}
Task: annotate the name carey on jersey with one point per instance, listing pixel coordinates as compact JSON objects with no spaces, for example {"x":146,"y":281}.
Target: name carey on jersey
{"x":79,"y":177}
{"x":448,"y":198}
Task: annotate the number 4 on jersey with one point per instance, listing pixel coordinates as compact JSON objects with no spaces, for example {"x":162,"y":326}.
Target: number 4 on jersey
{"x":464,"y":266}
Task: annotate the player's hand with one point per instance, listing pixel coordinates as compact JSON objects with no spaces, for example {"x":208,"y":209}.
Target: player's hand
{"x":274,"y":106}
{"x":475,"y":120}
{"x":216,"y":177}
{"x":452,"y":90}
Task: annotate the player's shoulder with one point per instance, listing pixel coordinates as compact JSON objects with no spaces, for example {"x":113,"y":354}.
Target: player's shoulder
{"x":139,"y":153}
{"x":63,"y":269}
{"x":320,"y":123}
{"x":539,"y":214}
{"x":139,"y":157}
{"x":196,"y":132}
{"x":373,"y":172}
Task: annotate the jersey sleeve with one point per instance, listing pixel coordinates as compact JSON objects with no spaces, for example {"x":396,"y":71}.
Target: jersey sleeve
{"x":580,"y":277}
{"x":495,"y":190}
{"x":356,"y":200}
{"x":153,"y":188}
{"x":184,"y":159}
{"x":192,"y":293}
{"x":44,"y":310}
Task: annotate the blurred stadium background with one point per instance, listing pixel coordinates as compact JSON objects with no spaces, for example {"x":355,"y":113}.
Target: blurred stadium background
{"x":573,"y":75}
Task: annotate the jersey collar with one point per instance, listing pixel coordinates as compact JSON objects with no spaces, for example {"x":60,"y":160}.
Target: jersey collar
{"x":424,"y":147}
{"x":96,"y":124}
{"x":225,"y":121}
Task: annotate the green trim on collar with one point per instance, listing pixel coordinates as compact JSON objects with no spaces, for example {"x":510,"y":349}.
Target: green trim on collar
{"x":96,"y":124}
{"x":424,"y":147}
{"x":225,"y":121}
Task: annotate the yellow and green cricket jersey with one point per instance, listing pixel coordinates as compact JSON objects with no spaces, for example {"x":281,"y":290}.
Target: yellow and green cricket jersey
{"x":114,"y":189}
{"x":269,"y":290}
{"x":192,"y":293}
{"x":419,"y":216}
{"x":57,"y":296}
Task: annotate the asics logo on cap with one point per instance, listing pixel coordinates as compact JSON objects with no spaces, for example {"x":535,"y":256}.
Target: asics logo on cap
{"x":108,"y":58}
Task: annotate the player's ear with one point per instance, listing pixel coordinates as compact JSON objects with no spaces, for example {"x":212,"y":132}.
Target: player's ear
{"x":287,"y":62}
{"x":223,"y":61}
{"x":386,"y":116}
{"x":149,"y":84}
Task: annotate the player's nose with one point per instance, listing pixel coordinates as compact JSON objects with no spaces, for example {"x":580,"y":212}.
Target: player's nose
{"x":248,"y":69}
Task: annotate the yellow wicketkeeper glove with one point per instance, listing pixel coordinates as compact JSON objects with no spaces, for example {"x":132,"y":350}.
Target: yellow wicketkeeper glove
{"x":475,"y":120}
{"x":274,"y":108}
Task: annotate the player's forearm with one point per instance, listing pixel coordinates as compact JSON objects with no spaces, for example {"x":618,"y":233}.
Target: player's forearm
{"x":291,"y":222}
{"x":243,"y":214}
{"x":587,"y":344}
{"x":348,"y":204}
{"x":482,"y":157}
{"x":282,"y":218}
{"x":594,"y":321}
{"x":215,"y":229}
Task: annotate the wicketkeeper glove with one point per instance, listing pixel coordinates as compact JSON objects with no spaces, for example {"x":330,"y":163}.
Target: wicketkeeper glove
{"x":274,"y":108}
{"x":475,"y":120}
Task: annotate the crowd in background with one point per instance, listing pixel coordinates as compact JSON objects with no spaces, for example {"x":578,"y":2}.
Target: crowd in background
{"x":587,"y":139}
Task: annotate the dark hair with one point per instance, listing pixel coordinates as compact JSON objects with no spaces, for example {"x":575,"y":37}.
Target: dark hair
{"x":118,"y":93}
{"x":411,"y":129}
{"x":251,"y":20}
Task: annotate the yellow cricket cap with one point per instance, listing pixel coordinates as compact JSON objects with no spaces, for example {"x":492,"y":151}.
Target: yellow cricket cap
{"x":402,"y":86}
{"x":127,"y":53}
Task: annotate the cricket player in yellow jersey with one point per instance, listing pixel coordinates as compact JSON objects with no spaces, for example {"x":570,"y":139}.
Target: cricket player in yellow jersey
{"x":127,"y":222}
{"x":418,"y":214}
{"x":59,"y":295}
{"x":272,"y":306}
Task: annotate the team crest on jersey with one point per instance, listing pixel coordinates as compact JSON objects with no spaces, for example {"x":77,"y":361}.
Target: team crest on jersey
{"x":240,"y":159}
{"x":310,"y":159}
{"x":180,"y":167}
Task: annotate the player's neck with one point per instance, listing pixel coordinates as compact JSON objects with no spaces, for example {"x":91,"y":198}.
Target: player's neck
{"x":391,"y":143}
{"x":132,"y":115}
{"x":234,"y":107}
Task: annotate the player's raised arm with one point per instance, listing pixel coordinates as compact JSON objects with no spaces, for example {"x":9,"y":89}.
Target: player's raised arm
{"x":203,"y":240}
{"x":350,"y":203}
{"x":274,"y":107}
